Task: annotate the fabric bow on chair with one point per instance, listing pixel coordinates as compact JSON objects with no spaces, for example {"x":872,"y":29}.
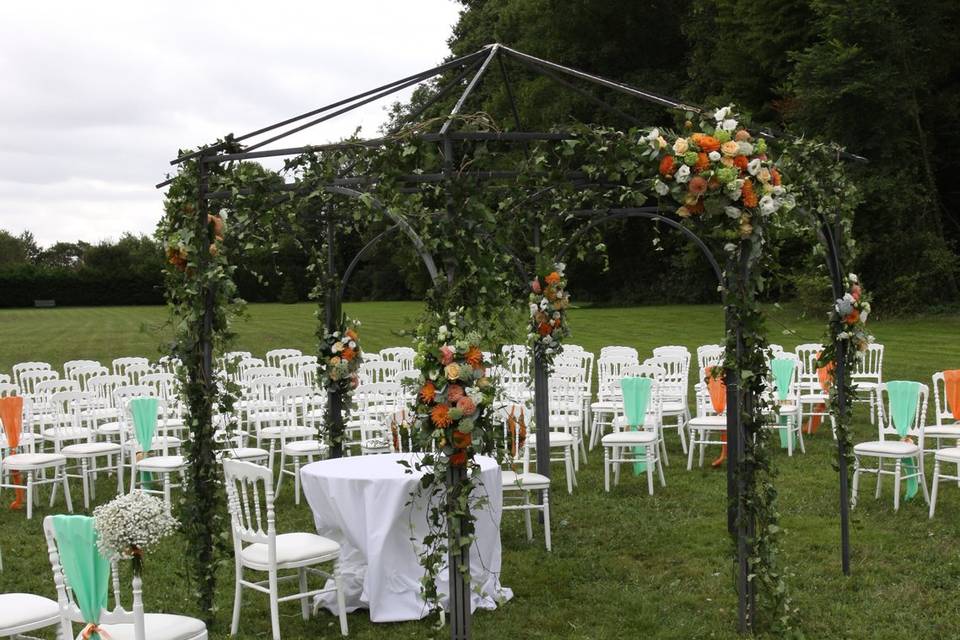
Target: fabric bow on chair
{"x":11,"y":414}
{"x":825,"y":376}
{"x":87,"y":572}
{"x":718,"y":399}
{"x":636,"y":397}
{"x":782,"y":369}
{"x":144,"y":411}
{"x":951,"y":383}
{"x":904,"y":396}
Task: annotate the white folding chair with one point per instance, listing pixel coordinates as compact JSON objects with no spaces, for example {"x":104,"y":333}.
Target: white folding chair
{"x":520,"y":485}
{"x":620,"y":446}
{"x":275,"y":356}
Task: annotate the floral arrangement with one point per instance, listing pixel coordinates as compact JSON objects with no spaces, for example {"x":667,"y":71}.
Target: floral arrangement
{"x":851,"y":311}
{"x":720,"y":170}
{"x":129,"y":525}
{"x":549,"y":301}
{"x":455,"y":391}
{"x":340,"y":357}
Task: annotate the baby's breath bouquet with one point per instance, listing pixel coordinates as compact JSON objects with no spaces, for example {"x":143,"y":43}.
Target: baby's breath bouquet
{"x":130,"y":524}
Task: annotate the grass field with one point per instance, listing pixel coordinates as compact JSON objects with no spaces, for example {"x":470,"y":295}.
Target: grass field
{"x":624,"y":565}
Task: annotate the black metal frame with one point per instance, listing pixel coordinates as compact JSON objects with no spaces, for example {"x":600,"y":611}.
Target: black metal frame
{"x":478,"y":64}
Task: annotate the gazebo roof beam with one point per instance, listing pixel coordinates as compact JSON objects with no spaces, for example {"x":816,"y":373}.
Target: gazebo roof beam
{"x":494,"y":50}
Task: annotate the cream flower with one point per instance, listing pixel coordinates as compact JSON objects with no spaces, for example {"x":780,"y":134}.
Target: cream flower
{"x":722,"y":113}
{"x":661,"y":188}
{"x":730,"y":148}
{"x":745,"y":148}
{"x":714,"y":156}
{"x":729,"y":124}
{"x":680,"y":146}
{"x":764,"y":175}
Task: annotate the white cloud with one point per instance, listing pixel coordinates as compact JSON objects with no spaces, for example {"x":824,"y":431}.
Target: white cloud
{"x":98,"y":96}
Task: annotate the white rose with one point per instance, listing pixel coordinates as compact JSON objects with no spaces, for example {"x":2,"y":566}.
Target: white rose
{"x":754,"y":166}
{"x":533,"y":309}
{"x":852,"y":277}
{"x":714,"y":156}
{"x":683,"y":174}
{"x":745,"y":148}
{"x":729,"y":124}
{"x":768,"y":205}
{"x":661,"y":188}
{"x":732,"y":212}
{"x":721,"y":114}
{"x":653,"y":135}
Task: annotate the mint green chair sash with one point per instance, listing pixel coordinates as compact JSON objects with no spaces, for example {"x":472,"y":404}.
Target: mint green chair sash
{"x":87,"y":572}
{"x":904,"y":396}
{"x":144,"y":411}
{"x":636,"y":397}
{"x":782,"y":369}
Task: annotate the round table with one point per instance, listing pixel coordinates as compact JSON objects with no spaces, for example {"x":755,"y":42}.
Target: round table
{"x":364,"y":503}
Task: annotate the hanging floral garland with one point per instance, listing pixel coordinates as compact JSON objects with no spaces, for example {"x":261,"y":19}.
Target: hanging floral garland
{"x":549,"y":302}
{"x":341,"y":357}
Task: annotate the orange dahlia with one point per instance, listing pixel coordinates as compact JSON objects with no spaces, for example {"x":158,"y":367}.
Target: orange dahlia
{"x":474,"y":357}
{"x":552,"y":278}
{"x":749,"y":197}
{"x":350,"y":333}
{"x":853,"y":317}
{"x":459,"y":458}
{"x":544,"y":329}
{"x":462,"y":440}
{"x":440,"y":415}
{"x":705,"y":142}
{"x":667,"y":166}
{"x":741,"y":162}
{"x":428,"y":391}
{"x":775,"y":177}
{"x":703,"y":162}
{"x":348,"y":354}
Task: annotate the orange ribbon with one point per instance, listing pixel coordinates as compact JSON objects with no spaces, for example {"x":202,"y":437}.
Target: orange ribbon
{"x":93,"y":628}
{"x":951,"y":380}
{"x":718,"y":398}
{"x":825,"y":376}
{"x":11,"y":414}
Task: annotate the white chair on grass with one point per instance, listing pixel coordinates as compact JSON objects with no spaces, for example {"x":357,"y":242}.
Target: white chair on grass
{"x":867,"y":377}
{"x":402,"y":355}
{"x":946,"y":426}
{"x":561,"y":434}
{"x":299,"y":405}
{"x":158,"y":457}
{"x":118,"y":623}
{"x":23,"y":367}
{"x":788,"y":414}
{"x":622,"y":445}
{"x":610,"y":369}
{"x":675,"y":384}
{"x":709,"y":427}
{"x":520,"y":485}
{"x":903,"y":450}
{"x":258,"y":547}
{"x":120,"y":365}
{"x":275,"y":356}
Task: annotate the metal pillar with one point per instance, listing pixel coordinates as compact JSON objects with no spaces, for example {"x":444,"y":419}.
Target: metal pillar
{"x":541,"y":413}
{"x":841,"y":350}
{"x":332,"y":314}
{"x":458,"y":566}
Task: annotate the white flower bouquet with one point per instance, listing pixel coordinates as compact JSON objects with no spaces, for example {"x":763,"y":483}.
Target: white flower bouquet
{"x":129,"y":525}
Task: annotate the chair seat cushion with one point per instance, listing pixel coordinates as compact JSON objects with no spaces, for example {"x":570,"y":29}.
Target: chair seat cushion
{"x":26,"y":612}
{"x":67,"y":433}
{"x":557,"y":439}
{"x":247,"y":453}
{"x":304,"y":448}
{"x":160,"y":463}
{"x":630,"y":437}
{"x":951,"y":454}
{"x":606,"y":405}
{"x":714,"y":423}
{"x":287,"y":432}
{"x":943,"y":431}
{"x":894,"y":448}
{"x":156,"y":444}
{"x":512,"y":481}
{"x":108,"y":427}
{"x":160,"y":626}
{"x":27,"y":461}
{"x":672,"y":408}
{"x":293,"y":549}
{"x":90,"y":449}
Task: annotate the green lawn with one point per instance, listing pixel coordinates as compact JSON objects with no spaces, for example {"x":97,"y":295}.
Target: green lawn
{"x":624,"y":564}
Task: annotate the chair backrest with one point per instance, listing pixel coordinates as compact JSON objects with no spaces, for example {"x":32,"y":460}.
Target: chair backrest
{"x":610,"y":368}
{"x":885,"y":424}
{"x":264,"y":388}
{"x":403,"y":424}
{"x":565,"y":398}
{"x":162,"y":433}
{"x":135,"y":371}
{"x":515,"y":419}
{"x":245,"y":364}
{"x":8,"y":389}
{"x":709,"y":355}
{"x":870,"y":366}
{"x":516,"y":359}
{"x":275,"y":356}
{"x":70,"y":612}
{"x":793,"y":385}
{"x":941,"y":408}
{"x":70,"y":365}
{"x":122,"y":394}
{"x":5,"y":378}
{"x":308,"y":374}
{"x":69,"y":410}
{"x":30,"y":379}
{"x":250,"y":502}
{"x":382,"y":371}
{"x":120,"y":365}
{"x":167,"y":364}
{"x":22,"y":367}
{"x":807,"y":353}
{"x":676,"y":369}
{"x":252,"y":373}
{"x":292,"y":365}
{"x":44,"y":391}
{"x":103,"y":387}
{"x":83,"y":373}
{"x":163,"y":384}
{"x":619,"y":351}
{"x":402,"y":355}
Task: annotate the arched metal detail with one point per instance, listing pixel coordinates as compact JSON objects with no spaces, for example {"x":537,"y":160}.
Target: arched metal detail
{"x":649,"y":213}
{"x":367,"y":248}
{"x":400,"y":222}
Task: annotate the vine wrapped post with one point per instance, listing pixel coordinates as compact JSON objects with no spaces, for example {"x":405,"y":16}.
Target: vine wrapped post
{"x":332,"y":313}
{"x":841,"y":374}
{"x":541,"y":412}
{"x":459,"y":561}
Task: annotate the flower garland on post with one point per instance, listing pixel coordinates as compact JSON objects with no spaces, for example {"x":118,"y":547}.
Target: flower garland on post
{"x":549,"y":302}
{"x":848,"y":319}
{"x":454,"y":422}
{"x":340,"y":359}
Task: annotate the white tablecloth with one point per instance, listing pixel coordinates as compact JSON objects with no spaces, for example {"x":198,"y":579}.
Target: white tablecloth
{"x":362,"y":502}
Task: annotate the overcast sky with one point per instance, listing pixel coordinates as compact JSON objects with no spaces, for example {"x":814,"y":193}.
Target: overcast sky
{"x":96,"y":97}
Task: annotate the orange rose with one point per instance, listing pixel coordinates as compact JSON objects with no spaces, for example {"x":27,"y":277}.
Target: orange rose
{"x":703,"y":162}
{"x":775,"y":177}
{"x":749,"y":197}
{"x":667,"y":166}
{"x":705,"y":142}
{"x":350,"y":333}
{"x":552,"y":278}
{"x":459,"y":458}
{"x":544,"y":329}
{"x":440,"y":416}
{"x":853,"y":317}
{"x":428,"y":392}
{"x":462,"y":440}
{"x":348,"y":354}
{"x":742,"y":136}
